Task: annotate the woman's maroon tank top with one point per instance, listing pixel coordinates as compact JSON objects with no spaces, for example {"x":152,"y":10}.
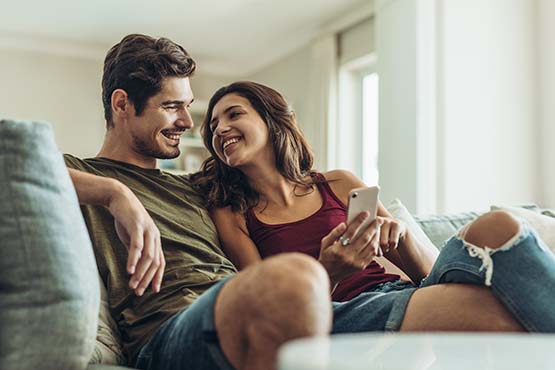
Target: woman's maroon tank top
{"x":305,"y":235}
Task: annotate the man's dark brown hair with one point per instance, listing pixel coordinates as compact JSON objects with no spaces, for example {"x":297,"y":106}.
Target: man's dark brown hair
{"x":138,"y":64}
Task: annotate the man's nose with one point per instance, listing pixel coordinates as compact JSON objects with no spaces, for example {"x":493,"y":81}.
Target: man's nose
{"x":185,"y":120}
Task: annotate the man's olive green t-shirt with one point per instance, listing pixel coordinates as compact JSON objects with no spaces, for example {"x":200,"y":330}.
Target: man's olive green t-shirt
{"x":194,"y":259}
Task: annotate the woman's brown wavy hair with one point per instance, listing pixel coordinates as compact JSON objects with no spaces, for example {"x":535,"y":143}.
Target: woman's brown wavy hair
{"x":225,"y":186}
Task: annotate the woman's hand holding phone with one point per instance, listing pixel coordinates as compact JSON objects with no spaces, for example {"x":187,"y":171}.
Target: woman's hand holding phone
{"x":342,"y":259}
{"x":351,"y":246}
{"x":366,"y":199}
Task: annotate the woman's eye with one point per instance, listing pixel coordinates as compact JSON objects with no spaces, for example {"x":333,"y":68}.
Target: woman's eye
{"x":234,"y":114}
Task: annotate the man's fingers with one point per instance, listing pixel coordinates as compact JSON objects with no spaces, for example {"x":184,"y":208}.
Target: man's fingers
{"x":135,"y":251}
{"x":157,"y":281}
{"x":148,"y":276}
{"x":146,"y":258}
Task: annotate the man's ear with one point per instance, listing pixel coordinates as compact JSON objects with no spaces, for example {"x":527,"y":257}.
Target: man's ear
{"x":121,"y":106}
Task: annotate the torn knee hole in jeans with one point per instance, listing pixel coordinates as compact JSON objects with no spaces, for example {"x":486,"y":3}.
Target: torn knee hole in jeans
{"x":485,"y":253}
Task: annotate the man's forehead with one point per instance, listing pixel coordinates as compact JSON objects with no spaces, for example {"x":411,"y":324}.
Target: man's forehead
{"x":176,"y":88}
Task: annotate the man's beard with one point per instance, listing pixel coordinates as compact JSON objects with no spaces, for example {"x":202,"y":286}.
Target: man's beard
{"x":149,"y":150}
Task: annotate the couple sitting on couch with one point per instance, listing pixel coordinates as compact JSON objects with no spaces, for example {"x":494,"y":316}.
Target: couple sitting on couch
{"x":264,"y":198}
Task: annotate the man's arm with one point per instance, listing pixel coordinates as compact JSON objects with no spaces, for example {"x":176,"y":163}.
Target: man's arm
{"x":134,"y":226}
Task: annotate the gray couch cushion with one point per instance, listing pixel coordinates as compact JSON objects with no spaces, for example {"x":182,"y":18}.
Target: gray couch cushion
{"x":49,"y":292}
{"x":440,"y":228}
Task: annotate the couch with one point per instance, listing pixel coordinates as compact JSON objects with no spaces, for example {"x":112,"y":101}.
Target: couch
{"x":53,"y":307}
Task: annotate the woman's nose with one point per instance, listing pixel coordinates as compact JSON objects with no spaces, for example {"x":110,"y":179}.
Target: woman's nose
{"x":222,"y":129}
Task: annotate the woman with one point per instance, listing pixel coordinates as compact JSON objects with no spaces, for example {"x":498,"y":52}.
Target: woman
{"x":265,"y":199}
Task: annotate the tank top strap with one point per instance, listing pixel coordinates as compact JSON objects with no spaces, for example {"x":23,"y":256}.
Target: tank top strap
{"x":328,"y":196}
{"x":251,"y":220}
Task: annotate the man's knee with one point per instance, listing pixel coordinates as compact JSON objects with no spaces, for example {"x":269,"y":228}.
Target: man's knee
{"x":286,"y":280}
{"x":294,"y":287}
{"x":297,"y":271}
{"x":282,"y":298}
{"x":492,"y":229}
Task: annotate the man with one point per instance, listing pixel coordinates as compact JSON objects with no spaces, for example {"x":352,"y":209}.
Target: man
{"x":152,"y":226}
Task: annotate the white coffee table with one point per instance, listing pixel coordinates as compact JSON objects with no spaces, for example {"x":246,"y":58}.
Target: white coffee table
{"x":420,"y":352}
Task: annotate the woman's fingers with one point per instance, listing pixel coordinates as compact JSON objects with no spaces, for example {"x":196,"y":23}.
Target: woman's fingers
{"x":394,"y":236}
{"x":384,"y":235}
{"x":333,"y":235}
{"x":364,"y":236}
{"x":370,"y":250}
{"x":348,"y":236}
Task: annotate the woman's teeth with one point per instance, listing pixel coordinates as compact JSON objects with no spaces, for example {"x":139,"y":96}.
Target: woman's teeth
{"x":229,"y":142}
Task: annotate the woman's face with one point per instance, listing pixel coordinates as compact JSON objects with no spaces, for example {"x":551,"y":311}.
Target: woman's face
{"x":240,"y":136}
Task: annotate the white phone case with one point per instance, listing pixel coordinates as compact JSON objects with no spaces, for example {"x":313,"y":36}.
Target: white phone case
{"x":360,"y":200}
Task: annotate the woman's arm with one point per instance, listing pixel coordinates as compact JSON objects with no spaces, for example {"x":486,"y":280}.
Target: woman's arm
{"x":405,"y":251}
{"x":398,"y":244}
{"x":234,"y":237}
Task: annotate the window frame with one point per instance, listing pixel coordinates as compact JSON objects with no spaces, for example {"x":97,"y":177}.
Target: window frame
{"x":349,"y":130}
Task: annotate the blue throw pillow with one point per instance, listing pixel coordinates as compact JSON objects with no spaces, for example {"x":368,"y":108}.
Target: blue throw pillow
{"x":49,"y":293}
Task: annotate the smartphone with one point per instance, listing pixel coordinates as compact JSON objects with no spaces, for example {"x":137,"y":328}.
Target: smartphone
{"x":360,"y":200}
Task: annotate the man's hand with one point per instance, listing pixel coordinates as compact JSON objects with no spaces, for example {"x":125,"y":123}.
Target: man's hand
{"x":345,"y":251}
{"x":134,"y":226}
{"x":136,"y":229}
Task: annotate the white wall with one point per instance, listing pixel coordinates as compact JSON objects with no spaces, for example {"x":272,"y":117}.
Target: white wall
{"x":66,"y":92}
{"x":396,"y":50}
{"x":290,"y":76}
{"x":488,"y":86}
{"x":60,"y":90}
{"x":205,"y":85}
{"x":546,"y":68}
{"x":483,"y":95}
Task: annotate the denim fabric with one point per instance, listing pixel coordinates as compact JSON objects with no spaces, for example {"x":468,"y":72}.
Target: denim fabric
{"x":521,"y":274}
{"x":380,"y":309}
{"x":49,"y":293}
{"x":187,"y":341}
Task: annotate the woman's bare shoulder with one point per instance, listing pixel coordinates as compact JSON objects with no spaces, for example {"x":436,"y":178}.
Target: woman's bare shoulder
{"x":343,"y":177}
{"x":342,"y":182}
{"x":226,"y":217}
